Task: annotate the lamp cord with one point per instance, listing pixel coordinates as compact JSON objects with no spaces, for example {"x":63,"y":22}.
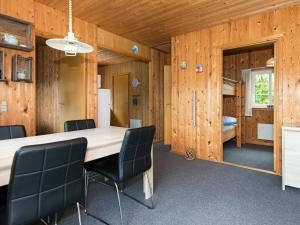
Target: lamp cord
{"x":70,"y":15}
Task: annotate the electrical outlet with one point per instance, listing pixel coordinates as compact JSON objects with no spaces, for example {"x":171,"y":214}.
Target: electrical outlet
{"x":3,"y":106}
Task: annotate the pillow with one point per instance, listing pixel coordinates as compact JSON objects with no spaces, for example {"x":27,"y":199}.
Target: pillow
{"x":228,"y":120}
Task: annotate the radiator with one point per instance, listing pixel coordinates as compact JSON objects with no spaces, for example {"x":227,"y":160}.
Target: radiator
{"x":265,"y":131}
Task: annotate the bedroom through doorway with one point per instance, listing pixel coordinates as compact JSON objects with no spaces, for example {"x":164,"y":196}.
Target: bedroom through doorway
{"x":248,"y":106}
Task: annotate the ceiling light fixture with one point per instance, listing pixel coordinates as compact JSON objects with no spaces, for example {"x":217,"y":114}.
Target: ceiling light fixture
{"x":70,"y":45}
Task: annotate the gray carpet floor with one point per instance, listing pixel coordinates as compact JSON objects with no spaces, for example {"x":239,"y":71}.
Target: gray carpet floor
{"x":197,"y":193}
{"x":256,"y":156}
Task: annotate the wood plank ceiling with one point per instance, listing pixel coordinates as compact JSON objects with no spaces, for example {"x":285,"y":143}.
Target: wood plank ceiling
{"x":153,"y":22}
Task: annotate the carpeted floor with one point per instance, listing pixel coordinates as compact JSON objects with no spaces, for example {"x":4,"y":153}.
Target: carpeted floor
{"x":256,"y":156}
{"x":198,"y":193}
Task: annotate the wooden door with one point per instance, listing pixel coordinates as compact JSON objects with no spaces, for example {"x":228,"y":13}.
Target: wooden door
{"x":120,"y":101}
{"x":167,"y":105}
{"x":71,"y":90}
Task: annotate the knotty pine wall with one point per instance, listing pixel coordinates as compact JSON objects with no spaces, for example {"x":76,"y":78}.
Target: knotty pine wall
{"x":204,"y":46}
{"x":233,"y":63}
{"x":135,"y":69}
{"x":20,"y":97}
{"x":49,"y":22}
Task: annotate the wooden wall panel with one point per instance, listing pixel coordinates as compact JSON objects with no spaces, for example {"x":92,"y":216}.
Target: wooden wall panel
{"x":258,"y":116}
{"x":137,"y":70}
{"x":20,"y":97}
{"x":156,"y":91}
{"x":283,"y":25}
{"x":47,"y":73}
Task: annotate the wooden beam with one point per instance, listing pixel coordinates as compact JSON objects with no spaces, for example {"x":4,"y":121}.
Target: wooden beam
{"x":121,"y":45}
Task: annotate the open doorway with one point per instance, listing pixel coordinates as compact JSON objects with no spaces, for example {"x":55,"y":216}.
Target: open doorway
{"x":248,"y":106}
{"x":123,"y":88}
{"x":61,"y":88}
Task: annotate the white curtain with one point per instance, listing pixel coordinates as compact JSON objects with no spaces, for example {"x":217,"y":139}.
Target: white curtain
{"x":246,"y":75}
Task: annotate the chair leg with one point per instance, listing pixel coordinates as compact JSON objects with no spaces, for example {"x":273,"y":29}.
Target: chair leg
{"x":140,"y":202}
{"x":151,"y":191}
{"x":79,"y":215}
{"x":55,"y":218}
{"x":120,"y":207}
{"x":86,"y":186}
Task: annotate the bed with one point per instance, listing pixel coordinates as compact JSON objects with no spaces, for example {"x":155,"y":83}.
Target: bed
{"x":229,"y":128}
{"x":229,"y":87}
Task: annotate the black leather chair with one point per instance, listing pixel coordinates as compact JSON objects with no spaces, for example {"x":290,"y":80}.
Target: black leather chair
{"x":134,"y":159}
{"x":9,"y":132}
{"x":45,"y":179}
{"x":73,"y":125}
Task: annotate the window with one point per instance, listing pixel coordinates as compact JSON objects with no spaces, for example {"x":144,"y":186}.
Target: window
{"x":262,"y":88}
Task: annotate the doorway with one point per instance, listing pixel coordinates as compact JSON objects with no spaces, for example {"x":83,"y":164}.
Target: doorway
{"x":248,"y":106}
{"x":61,"y":88}
{"x":127,"y":80}
{"x":120,"y":101}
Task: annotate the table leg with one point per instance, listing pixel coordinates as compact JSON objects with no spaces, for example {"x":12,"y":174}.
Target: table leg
{"x":148,"y":190}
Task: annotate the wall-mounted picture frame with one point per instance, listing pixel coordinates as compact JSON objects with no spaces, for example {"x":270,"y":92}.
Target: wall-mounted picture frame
{"x":183,"y":64}
{"x":21,"y":69}
{"x":199,"y":68}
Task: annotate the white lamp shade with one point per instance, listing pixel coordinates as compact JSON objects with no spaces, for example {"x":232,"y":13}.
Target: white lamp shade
{"x":69,"y":46}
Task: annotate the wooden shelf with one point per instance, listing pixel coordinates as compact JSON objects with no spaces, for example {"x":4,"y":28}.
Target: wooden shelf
{"x":17,"y":47}
{"x":15,"y":33}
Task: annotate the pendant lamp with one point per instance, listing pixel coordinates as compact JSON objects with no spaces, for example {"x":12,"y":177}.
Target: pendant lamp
{"x":70,"y":45}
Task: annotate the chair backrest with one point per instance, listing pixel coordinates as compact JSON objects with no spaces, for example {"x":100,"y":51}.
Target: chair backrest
{"x":11,"y":132}
{"x":73,"y":125}
{"x":45,"y":179}
{"x":135,"y":155}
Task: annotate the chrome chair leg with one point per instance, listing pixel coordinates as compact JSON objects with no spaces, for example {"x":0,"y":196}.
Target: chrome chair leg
{"x":55,"y":218}
{"x":79,"y":215}
{"x":120,"y":207}
{"x":86,"y":186}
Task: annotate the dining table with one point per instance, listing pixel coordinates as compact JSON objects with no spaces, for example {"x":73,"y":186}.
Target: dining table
{"x":102,"y":142}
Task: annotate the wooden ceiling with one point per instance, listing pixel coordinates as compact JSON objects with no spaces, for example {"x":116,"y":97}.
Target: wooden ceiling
{"x":107,"y":57}
{"x":153,"y":22}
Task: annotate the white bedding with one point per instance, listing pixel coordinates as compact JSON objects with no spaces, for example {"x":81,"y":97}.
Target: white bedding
{"x":225,"y":128}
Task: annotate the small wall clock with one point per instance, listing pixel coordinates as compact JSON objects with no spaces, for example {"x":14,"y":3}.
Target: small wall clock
{"x":134,"y":49}
{"x":135,"y":82}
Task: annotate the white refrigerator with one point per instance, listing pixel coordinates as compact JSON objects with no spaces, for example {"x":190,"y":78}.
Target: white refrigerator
{"x":103,"y":107}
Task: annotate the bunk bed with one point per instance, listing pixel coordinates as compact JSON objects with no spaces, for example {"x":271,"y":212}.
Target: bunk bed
{"x":231,"y":126}
{"x":229,"y":87}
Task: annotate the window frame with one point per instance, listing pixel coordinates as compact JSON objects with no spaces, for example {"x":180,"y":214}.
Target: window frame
{"x":269,"y":71}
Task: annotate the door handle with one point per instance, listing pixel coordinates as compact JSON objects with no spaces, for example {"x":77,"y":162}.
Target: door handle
{"x":194,"y":99}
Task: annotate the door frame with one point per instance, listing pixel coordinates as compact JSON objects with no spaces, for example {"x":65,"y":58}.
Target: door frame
{"x":276,"y":147}
{"x":113,"y":91}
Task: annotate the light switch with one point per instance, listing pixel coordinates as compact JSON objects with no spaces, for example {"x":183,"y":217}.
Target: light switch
{"x":3,"y":106}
